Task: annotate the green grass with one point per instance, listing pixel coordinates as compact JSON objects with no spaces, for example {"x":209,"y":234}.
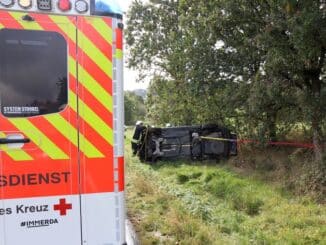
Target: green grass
{"x":204,"y":203}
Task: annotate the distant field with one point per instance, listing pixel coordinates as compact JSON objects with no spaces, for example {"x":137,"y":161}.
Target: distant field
{"x":204,"y":203}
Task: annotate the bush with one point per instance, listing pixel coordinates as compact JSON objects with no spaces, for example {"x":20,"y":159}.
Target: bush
{"x":310,"y":178}
{"x":249,"y":203}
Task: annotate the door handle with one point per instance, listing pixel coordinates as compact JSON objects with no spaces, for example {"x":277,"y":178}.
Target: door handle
{"x":13,"y":141}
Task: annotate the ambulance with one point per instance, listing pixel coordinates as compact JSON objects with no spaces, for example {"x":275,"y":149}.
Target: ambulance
{"x":61,"y":123}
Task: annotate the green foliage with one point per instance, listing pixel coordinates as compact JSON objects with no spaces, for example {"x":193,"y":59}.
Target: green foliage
{"x":182,"y":178}
{"x":255,"y":66}
{"x":134,"y":108}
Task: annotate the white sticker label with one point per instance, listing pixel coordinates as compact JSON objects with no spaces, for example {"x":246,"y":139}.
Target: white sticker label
{"x":21,"y":109}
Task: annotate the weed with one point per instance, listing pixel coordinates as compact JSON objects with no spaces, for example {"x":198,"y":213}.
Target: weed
{"x":238,"y":202}
{"x":224,"y":187}
{"x":163,"y":203}
{"x":203,"y":237}
{"x":270,"y":220}
{"x":196,"y":175}
{"x":143,"y":186}
{"x":209,"y":177}
{"x":225,"y":229}
{"x":253,"y":206}
{"x":181,"y":178}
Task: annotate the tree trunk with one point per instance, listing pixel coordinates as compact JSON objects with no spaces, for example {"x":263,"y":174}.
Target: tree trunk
{"x":271,"y":124}
{"x":317,"y":119}
{"x":317,"y":141}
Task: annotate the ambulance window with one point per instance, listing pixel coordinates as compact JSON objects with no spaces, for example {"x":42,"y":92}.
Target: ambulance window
{"x":33,"y":72}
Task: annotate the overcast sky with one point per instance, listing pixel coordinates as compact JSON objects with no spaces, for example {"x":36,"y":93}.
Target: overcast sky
{"x":130,"y":75}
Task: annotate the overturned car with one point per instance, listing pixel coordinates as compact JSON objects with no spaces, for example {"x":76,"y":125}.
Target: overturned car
{"x":192,"y":142}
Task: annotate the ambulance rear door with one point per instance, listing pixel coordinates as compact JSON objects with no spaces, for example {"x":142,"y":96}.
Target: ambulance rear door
{"x":39,"y":170}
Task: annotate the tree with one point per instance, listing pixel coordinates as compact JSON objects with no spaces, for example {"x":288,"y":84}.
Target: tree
{"x":272,"y":43}
{"x":152,"y":34}
{"x":296,"y":38}
{"x":246,"y":63}
{"x":134,"y":108}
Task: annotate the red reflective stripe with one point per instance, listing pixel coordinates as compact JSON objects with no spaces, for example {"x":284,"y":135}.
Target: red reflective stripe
{"x":56,"y":136}
{"x":88,"y":64}
{"x":108,"y":21}
{"x":93,"y":70}
{"x":121,"y":173}
{"x":93,"y":102}
{"x":46,"y":18}
{"x":119,"y":42}
{"x":92,"y":34}
{"x":8,"y":21}
{"x":97,"y":175}
{"x":92,"y":136}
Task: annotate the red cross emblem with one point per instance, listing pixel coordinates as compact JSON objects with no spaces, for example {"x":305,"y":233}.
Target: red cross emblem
{"x":62,"y":206}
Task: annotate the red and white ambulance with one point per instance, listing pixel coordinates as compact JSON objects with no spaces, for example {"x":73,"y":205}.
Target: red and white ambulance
{"x":61,"y":123}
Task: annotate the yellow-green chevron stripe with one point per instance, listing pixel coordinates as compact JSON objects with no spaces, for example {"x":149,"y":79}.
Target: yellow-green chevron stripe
{"x":39,"y":138}
{"x":62,"y":21}
{"x":15,"y":154}
{"x":30,"y":25}
{"x":95,"y":54}
{"x":103,"y":29}
{"x":118,"y":54}
{"x":91,"y":85}
{"x":68,"y":131}
{"x":91,"y":118}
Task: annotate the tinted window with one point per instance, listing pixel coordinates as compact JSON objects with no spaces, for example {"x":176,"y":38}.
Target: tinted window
{"x":33,"y":72}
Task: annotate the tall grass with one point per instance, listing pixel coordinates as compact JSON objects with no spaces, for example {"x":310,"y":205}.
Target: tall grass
{"x":197,"y":203}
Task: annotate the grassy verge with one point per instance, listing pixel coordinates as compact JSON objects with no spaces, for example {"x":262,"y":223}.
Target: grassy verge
{"x":192,"y":203}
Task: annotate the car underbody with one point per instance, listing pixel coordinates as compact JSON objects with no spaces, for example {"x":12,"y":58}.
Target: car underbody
{"x":192,"y":142}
